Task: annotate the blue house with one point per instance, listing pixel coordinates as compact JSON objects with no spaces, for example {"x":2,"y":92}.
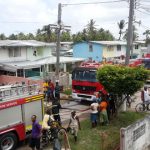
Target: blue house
{"x":88,"y":50}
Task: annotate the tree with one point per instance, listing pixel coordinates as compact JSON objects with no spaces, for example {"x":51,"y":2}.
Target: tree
{"x":30,"y":36}
{"x":2,"y":36}
{"x":12,"y":37}
{"x":121,"y":26}
{"x":65,"y":36}
{"x":121,"y":80}
{"x":21,"y":36}
{"x":77,"y":37}
{"x":147,"y":33}
{"x":135,"y":34}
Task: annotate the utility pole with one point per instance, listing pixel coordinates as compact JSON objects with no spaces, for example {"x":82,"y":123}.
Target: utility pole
{"x":58,"y":41}
{"x":130,"y":32}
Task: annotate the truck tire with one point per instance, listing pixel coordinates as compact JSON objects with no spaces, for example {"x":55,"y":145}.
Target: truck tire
{"x":8,"y":141}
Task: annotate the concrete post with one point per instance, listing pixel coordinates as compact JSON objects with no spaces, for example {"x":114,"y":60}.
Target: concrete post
{"x":65,"y":67}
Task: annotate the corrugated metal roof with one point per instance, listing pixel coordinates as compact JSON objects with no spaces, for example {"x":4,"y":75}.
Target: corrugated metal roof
{"x":39,"y":62}
{"x":23,"y":43}
{"x":114,"y":42}
{"x":110,"y":42}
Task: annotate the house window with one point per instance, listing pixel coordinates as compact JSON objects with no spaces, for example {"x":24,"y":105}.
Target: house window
{"x":14,"y":52}
{"x":90,"y":58}
{"x":90,"y":47}
{"x":11,"y":52}
{"x":34,"y":53}
{"x":17,"y":52}
{"x":118,"y":47}
{"x":136,"y":46}
{"x":110,"y":48}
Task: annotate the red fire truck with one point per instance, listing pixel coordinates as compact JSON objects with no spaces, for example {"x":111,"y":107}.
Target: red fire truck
{"x":84,"y":82}
{"x":17,"y":104}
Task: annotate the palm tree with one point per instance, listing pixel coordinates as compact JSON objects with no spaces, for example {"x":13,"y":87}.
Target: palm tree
{"x":147,"y":33}
{"x":121,"y":26}
{"x":91,"y":30}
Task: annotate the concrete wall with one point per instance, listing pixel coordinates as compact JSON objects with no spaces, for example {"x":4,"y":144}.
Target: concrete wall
{"x":41,"y":52}
{"x":81,"y":50}
{"x":4,"y":79}
{"x":119,"y":53}
{"x":136,"y":136}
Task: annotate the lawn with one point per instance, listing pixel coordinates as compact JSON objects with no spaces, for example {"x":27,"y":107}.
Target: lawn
{"x":91,"y":139}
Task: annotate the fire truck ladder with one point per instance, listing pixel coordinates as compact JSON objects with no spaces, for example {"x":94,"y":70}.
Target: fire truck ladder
{"x":8,"y":92}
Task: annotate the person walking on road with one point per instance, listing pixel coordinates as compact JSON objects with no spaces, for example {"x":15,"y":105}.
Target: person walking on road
{"x":74,"y":124}
{"x":94,"y":113}
{"x":36,"y":134}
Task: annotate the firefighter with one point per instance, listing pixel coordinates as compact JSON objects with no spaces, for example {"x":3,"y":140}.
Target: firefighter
{"x":55,"y":110}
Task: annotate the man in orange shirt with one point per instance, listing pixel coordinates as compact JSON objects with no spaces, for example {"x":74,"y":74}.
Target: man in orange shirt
{"x":103,"y":110}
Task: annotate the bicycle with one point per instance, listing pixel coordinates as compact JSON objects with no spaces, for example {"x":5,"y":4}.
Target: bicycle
{"x":141,"y":107}
{"x":129,"y":100}
{"x":54,"y":135}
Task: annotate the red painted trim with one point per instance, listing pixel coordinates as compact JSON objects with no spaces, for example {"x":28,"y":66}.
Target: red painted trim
{"x":16,"y":102}
{"x":12,"y":103}
{"x":19,"y":129}
{"x":88,"y":83}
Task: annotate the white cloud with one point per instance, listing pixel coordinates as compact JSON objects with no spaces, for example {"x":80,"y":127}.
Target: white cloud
{"x":36,"y":13}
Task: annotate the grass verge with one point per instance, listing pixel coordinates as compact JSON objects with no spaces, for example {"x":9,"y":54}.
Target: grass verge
{"x":91,"y":139}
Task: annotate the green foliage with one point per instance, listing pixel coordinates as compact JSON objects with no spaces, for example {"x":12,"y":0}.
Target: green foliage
{"x":120,"y":80}
{"x":121,"y":26}
{"x":47,"y":34}
{"x":91,"y":33}
{"x":67,"y":91}
{"x":91,"y":139}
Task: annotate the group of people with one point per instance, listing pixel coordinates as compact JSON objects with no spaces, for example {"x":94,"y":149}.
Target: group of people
{"x":102,"y":107}
{"x":50,"y":91}
{"x":51,"y":115}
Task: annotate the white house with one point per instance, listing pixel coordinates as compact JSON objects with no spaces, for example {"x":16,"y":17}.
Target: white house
{"x":30,"y":58}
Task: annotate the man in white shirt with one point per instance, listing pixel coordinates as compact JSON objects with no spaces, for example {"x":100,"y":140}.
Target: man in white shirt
{"x":74,"y":124}
{"x":145,"y":95}
{"x":94,"y":113}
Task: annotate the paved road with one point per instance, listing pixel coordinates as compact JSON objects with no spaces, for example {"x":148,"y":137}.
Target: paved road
{"x":81,"y":109}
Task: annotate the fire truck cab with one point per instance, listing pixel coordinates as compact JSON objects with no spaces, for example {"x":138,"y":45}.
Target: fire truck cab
{"x":84,"y":82}
{"x":17,"y":104}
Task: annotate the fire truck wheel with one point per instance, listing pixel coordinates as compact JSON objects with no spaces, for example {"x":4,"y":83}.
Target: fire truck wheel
{"x":8,"y":141}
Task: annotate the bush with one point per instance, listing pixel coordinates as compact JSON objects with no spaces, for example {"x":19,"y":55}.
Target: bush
{"x":120,"y":80}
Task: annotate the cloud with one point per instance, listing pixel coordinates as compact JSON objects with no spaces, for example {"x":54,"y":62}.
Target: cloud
{"x":29,"y":15}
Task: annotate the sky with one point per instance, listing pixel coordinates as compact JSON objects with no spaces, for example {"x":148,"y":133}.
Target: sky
{"x":29,"y":15}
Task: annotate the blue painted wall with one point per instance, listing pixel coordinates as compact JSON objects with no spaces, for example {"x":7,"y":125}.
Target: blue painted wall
{"x":81,"y":50}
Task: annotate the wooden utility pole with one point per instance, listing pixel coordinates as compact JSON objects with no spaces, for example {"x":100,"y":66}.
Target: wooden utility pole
{"x":58,"y":41}
{"x":130,"y":32}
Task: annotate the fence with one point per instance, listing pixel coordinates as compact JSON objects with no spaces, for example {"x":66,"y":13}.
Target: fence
{"x":63,"y":78}
{"x":136,"y":136}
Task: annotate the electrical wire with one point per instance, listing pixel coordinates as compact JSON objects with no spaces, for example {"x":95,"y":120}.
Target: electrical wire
{"x":21,"y":22}
{"x":142,"y":12}
{"x":102,"y":2}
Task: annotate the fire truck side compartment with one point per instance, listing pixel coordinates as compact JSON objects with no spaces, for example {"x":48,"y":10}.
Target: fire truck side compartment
{"x":10,"y":117}
{"x":32,"y":108}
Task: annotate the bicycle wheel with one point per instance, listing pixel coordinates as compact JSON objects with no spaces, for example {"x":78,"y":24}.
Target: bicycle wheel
{"x":140,"y":107}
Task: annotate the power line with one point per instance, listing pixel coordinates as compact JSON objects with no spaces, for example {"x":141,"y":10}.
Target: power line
{"x":142,"y":12}
{"x":103,"y":2}
{"x":145,"y":27}
{"x":20,"y":22}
